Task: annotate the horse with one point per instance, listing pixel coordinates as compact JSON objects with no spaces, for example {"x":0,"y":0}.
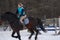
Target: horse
{"x":17,"y":26}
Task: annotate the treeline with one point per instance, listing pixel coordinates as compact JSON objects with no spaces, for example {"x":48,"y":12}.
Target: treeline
{"x":36,"y":8}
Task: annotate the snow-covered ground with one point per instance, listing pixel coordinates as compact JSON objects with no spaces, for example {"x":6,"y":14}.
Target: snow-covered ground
{"x":6,"y":35}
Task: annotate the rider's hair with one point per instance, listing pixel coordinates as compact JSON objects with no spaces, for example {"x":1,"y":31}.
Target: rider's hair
{"x":20,"y":4}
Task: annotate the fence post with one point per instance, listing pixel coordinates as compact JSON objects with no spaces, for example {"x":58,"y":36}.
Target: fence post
{"x":59,"y":25}
{"x":55,"y":25}
{"x":55,"y":28}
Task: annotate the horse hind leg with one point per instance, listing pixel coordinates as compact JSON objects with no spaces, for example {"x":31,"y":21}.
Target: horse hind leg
{"x":37,"y":31}
{"x":32,"y":32}
{"x":13,"y":35}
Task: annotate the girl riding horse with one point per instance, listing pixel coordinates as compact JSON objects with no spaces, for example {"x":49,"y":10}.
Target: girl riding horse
{"x":21,"y":13}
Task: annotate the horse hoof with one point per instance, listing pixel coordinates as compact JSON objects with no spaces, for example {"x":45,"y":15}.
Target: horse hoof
{"x":36,"y":39}
{"x":29,"y":37}
{"x":19,"y":39}
{"x":16,"y":36}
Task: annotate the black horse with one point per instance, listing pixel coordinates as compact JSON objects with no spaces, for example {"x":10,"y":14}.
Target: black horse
{"x":17,"y":26}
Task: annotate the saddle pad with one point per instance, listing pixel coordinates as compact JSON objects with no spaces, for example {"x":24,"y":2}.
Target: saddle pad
{"x":26,"y":21}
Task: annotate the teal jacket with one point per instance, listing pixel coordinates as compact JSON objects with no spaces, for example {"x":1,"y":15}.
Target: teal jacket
{"x":20,"y":11}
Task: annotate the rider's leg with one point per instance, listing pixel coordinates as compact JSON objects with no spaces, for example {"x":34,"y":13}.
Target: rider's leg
{"x":22,"y":18}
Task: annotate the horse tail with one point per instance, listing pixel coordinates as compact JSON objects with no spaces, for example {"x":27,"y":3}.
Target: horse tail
{"x":40,"y":25}
{"x":39,"y":21}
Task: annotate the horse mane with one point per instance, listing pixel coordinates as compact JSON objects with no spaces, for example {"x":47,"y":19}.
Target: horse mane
{"x":9,"y":16}
{"x":10,"y":13}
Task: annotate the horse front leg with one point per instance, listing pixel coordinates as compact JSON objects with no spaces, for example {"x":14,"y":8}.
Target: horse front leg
{"x":13,"y":35}
{"x":19,"y":37}
{"x":32,"y":32}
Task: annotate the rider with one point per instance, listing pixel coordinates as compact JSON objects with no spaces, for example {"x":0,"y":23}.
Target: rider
{"x":21,"y":12}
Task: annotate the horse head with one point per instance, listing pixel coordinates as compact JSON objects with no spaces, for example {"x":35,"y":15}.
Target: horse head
{"x":1,"y":19}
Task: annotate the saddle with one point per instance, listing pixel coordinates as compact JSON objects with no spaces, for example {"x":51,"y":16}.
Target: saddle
{"x":26,"y":21}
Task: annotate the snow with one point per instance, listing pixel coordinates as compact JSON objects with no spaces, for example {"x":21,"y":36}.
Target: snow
{"x":6,"y":35}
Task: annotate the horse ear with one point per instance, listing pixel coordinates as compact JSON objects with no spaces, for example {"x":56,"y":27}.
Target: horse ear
{"x":0,"y":22}
{"x":17,"y":11}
